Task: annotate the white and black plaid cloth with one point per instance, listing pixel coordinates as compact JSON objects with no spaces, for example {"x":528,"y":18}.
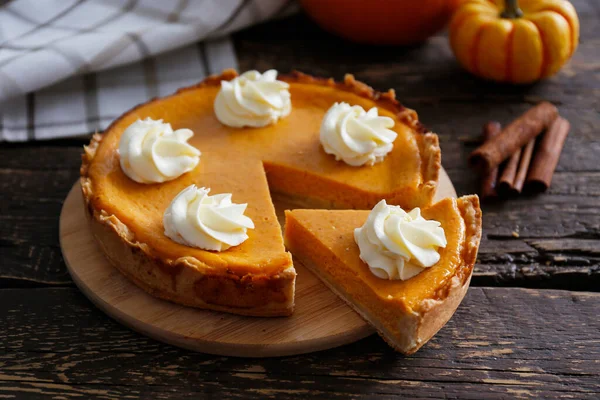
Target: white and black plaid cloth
{"x":68,"y":67}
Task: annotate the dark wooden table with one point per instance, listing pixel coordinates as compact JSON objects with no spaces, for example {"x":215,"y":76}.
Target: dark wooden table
{"x":529,"y":326}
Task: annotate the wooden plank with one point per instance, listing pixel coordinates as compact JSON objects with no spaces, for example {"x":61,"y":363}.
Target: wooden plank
{"x":59,"y":154}
{"x":37,"y":185}
{"x":33,"y":188}
{"x":538,"y":275}
{"x":577,"y":246}
{"x":28,"y":230}
{"x":501,"y":343}
{"x":32,"y":265}
{"x":555,"y":216}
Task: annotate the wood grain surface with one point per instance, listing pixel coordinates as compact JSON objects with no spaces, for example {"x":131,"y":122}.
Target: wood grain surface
{"x":501,"y":344}
{"x":56,"y":343}
{"x":320,"y":321}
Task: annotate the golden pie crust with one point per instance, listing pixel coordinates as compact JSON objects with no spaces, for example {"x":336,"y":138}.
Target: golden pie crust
{"x":256,"y":277}
{"x":405,"y":313}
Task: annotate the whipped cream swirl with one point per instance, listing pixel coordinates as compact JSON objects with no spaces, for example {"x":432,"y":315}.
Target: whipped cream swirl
{"x":196,"y":219}
{"x":150,"y":152}
{"x":356,"y":136}
{"x":253,"y":99}
{"x":399,"y":245}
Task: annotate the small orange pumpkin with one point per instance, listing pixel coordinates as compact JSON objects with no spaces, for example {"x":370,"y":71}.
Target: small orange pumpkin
{"x":389,"y":22}
{"x":514,"y":42}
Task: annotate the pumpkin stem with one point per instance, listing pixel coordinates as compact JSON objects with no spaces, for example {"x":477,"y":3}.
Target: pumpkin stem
{"x":511,"y":9}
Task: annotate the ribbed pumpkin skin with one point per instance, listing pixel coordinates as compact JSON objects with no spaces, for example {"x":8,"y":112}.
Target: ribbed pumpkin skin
{"x":518,"y":50}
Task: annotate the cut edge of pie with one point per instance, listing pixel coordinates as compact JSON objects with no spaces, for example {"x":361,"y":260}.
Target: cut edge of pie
{"x":187,"y":280}
{"x":415,"y":326}
{"x":427,"y":141}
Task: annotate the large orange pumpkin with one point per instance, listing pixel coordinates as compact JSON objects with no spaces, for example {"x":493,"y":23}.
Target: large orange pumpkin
{"x":514,"y":41}
{"x":395,"y":22}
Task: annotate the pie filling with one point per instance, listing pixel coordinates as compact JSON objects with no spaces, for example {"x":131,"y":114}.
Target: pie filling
{"x":405,"y":313}
{"x":330,"y":237}
{"x":286,"y":157}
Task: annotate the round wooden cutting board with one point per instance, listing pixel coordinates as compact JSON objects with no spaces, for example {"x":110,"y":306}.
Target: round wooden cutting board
{"x":320,"y":320}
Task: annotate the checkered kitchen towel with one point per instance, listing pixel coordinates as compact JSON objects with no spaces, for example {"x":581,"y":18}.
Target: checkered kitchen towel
{"x":44,"y":42}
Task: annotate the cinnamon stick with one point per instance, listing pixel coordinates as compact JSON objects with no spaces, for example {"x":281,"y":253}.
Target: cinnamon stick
{"x":489,"y":178}
{"x":509,"y":172}
{"x":524,"y":163}
{"x":513,"y":137}
{"x":547,"y":155}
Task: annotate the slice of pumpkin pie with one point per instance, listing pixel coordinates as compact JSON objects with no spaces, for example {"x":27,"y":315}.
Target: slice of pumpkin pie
{"x":404,"y":272}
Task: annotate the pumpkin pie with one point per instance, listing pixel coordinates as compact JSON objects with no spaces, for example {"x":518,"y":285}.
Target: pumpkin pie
{"x":284,"y":159}
{"x":405,"y":313}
